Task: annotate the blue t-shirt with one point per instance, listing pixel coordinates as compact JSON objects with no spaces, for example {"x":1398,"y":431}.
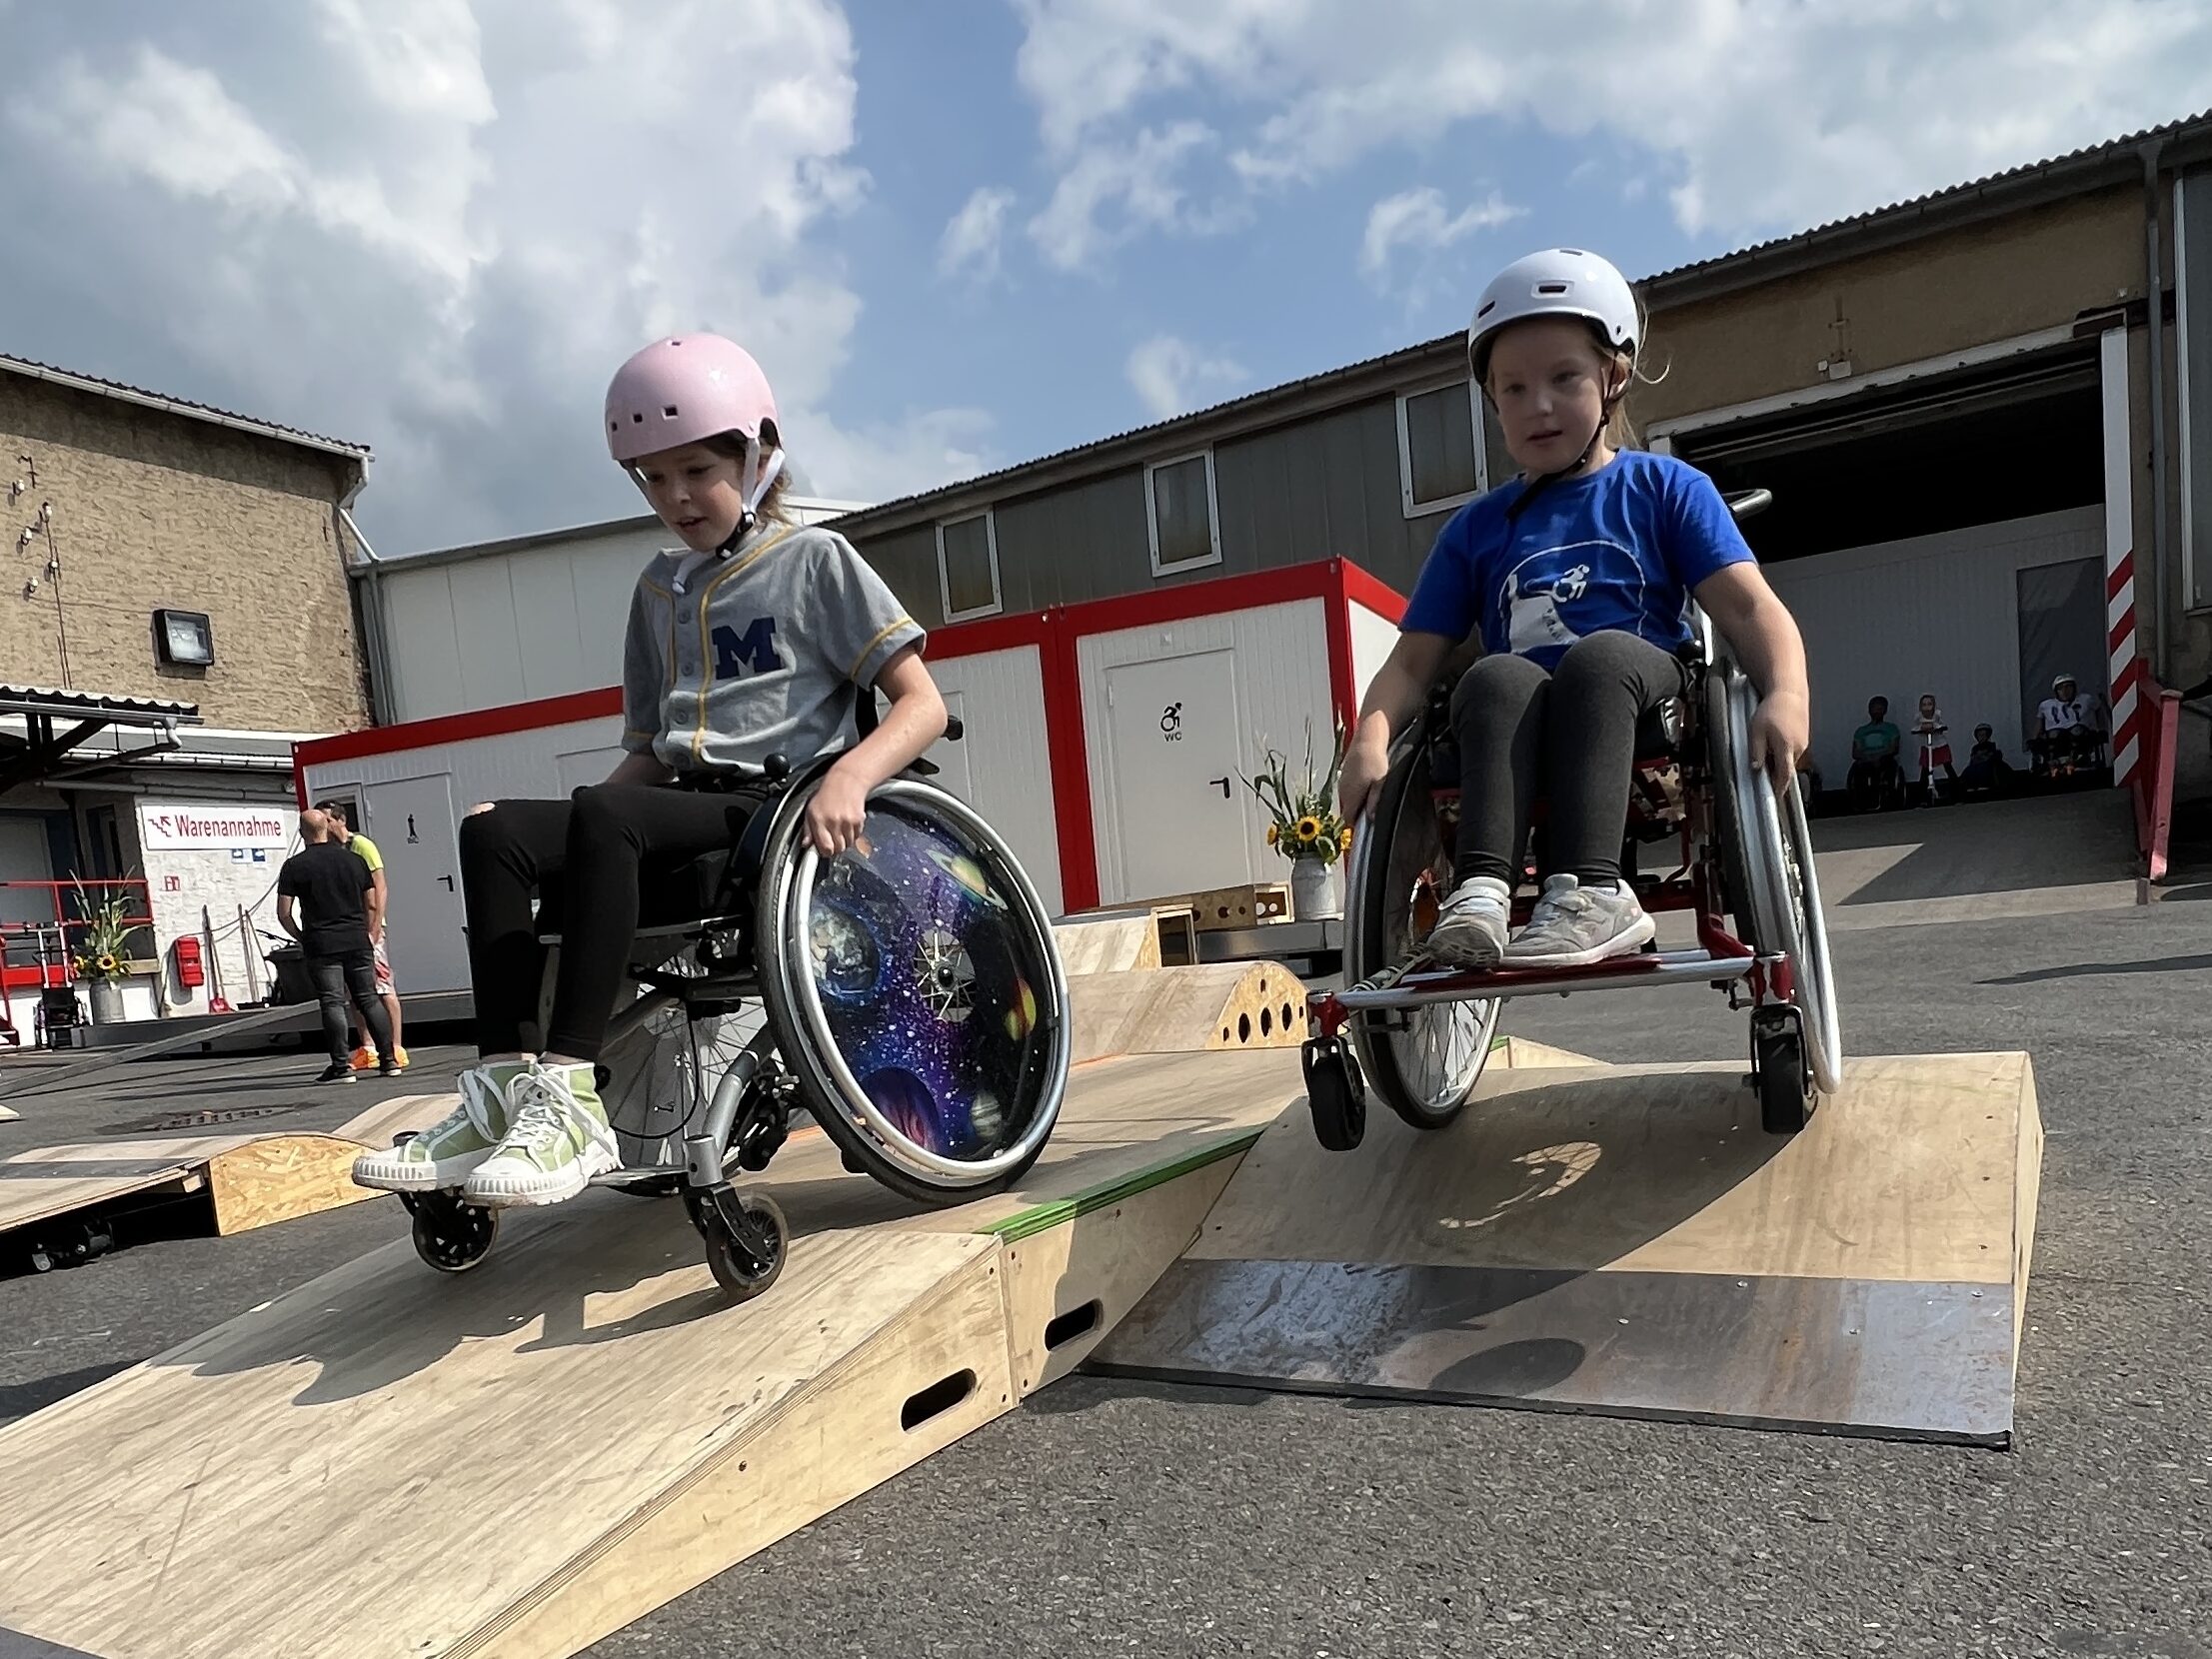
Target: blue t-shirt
{"x":1619,"y":547}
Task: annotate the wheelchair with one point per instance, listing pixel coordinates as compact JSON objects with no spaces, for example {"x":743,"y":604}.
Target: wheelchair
{"x":906,"y":996}
{"x":1420,"y":1032}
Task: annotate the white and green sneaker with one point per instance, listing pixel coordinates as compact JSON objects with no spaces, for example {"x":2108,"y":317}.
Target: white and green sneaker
{"x":448,"y":1152}
{"x":557,"y":1141}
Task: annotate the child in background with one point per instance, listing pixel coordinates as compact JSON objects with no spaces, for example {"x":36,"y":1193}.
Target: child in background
{"x":1935,"y":749}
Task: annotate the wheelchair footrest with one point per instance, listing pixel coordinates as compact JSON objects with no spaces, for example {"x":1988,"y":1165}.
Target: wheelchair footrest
{"x":1448,"y":985}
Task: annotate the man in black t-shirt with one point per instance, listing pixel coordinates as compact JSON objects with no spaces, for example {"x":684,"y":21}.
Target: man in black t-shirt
{"x":338,"y":905}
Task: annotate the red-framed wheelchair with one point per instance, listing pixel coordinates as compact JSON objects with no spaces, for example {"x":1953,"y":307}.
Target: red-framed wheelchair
{"x":1739,"y":862}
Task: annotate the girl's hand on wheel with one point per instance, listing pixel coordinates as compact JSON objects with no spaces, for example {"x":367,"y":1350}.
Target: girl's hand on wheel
{"x":1366,"y":763}
{"x":1781,"y":733}
{"x":837,"y":813}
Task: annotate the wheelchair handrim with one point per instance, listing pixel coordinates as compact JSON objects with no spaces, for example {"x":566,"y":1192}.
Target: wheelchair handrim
{"x":1450,"y":1095}
{"x":790,"y":881}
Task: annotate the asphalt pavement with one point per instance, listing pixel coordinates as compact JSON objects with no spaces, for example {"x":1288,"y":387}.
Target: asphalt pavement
{"x":1111,"y":1517}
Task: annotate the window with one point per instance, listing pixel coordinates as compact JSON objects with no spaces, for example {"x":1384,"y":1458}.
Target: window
{"x":1181,"y":513}
{"x":967,"y":566}
{"x":1441,"y":461}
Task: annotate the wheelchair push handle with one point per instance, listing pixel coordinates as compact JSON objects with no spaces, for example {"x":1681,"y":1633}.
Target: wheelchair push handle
{"x":1748,"y":504}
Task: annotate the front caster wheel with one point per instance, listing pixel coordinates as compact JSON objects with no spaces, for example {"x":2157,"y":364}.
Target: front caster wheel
{"x":451,"y":1234}
{"x":1335,"y":1093}
{"x":748,"y":1240}
{"x":1779,"y":1064}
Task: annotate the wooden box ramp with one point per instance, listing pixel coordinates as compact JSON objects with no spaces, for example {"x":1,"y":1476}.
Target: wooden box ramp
{"x":584,"y":1421}
{"x":1628,"y":1240}
{"x":1178,"y":1010}
{"x":250,"y":1180}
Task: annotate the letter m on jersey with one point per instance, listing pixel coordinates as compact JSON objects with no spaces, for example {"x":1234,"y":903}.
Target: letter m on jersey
{"x":752,"y":649}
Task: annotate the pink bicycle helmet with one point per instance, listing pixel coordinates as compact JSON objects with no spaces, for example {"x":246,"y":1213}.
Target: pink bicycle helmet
{"x":684,"y":390}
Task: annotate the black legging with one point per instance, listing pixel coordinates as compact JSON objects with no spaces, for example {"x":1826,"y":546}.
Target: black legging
{"x":595,"y":845}
{"x":1569,"y":735}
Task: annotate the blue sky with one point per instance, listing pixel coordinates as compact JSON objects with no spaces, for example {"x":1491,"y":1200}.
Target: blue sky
{"x":959,"y":234}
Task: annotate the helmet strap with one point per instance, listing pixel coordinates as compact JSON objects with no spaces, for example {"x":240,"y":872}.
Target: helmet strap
{"x":756,"y":476}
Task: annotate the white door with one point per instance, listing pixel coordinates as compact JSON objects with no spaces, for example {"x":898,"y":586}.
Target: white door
{"x":411,"y":820}
{"x":1172,"y":731}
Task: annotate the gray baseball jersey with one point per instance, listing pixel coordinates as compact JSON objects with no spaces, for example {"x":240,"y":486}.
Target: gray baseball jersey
{"x":734,"y":660}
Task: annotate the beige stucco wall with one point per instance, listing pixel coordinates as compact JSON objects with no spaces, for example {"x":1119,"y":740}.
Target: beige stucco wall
{"x":151,"y":510}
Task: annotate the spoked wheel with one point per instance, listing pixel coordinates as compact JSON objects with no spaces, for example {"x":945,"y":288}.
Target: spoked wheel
{"x":1768,"y":856}
{"x":451,"y":1234}
{"x":748,"y":1240}
{"x":660,"y":1069}
{"x":1424,"y":1062}
{"x":917,"y":993}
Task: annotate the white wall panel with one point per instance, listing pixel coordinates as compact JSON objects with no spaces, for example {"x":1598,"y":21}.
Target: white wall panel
{"x":1931,"y":614}
{"x":1372,"y":640}
{"x":1003,"y":765}
{"x":1281,"y":656}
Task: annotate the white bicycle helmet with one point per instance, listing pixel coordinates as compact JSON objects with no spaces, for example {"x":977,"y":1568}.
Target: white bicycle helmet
{"x":1558,"y":281}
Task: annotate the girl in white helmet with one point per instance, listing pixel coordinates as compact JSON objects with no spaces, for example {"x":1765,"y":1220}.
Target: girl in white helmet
{"x":1576,"y":577}
{"x":755,"y":636}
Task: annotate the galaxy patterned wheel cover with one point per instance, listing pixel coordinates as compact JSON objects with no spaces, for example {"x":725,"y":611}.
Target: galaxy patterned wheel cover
{"x":927,"y":982}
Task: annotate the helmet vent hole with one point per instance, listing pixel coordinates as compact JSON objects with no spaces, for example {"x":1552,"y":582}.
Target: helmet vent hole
{"x":1551,"y":288}
{"x":669,"y":411}
{"x":637,"y":418}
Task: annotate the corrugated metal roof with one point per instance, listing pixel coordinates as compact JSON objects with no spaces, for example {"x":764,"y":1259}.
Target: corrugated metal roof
{"x":1839,"y":228}
{"x":18,"y":700}
{"x":181,"y":406}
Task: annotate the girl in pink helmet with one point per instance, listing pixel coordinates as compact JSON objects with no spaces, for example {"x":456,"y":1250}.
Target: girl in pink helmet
{"x":1574,"y":577}
{"x":755,"y":636}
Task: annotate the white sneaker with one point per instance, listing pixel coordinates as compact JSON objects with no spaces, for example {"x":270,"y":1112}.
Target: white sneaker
{"x":1574,"y":925}
{"x":559,"y":1140}
{"x":1471,"y":930}
{"x":452,"y":1149}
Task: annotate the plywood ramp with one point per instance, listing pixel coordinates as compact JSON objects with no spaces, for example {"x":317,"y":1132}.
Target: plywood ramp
{"x":1177,"y":1011}
{"x":1108,"y":943}
{"x":1626,"y":1240}
{"x":582,"y":1418}
{"x":251,"y":1179}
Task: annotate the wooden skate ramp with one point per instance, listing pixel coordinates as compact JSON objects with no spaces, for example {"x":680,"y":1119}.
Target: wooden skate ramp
{"x":1183,"y":1010}
{"x":251,"y":1180}
{"x":1629,"y":1241}
{"x":583,"y":1419}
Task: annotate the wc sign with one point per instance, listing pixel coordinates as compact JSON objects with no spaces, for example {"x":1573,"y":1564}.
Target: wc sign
{"x":188,"y":828}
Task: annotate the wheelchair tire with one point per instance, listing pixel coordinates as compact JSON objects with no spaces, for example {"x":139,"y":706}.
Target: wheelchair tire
{"x":1425,"y":1071}
{"x":858,"y":1122}
{"x":1335,"y":1097}
{"x":1768,"y":858}
{"x":1778,"y":1063}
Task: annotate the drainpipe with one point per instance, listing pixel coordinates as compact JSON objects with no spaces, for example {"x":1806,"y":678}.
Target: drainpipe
{"x":2155,"y":287}
{"x":381,"y":687}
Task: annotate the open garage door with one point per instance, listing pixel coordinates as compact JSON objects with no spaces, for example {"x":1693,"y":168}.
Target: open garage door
{"x":1944,"y":535}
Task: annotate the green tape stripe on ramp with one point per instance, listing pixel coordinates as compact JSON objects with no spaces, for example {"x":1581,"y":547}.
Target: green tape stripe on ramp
{"x":1025,"y":1223}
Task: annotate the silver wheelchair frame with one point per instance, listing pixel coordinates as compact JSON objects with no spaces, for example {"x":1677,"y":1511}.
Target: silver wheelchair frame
{"x":689,"y":1108}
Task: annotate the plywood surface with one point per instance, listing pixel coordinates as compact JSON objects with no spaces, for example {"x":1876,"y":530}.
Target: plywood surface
{"x":1108,"y":943}
{"x":1167,"y":1010}
{"x":1909,"y":1173}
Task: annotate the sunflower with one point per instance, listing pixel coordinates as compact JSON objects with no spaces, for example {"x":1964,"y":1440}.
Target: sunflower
{"x":1273,"y":835}
{"x":107,"y":964}
{"x":1309,"y":827}
{"x":1344,"y":840}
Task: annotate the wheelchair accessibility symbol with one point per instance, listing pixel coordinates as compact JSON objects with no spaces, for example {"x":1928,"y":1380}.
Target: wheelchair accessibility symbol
{"x":1170,"y":723}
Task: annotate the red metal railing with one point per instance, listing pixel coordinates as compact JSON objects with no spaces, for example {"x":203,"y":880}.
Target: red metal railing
{"x":20,"y":964}
{"x":2154,"y":780}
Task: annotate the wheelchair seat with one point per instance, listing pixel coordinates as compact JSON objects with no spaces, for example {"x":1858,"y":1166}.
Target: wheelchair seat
{"x":1659,"y":731}
{"x":672,"y":899}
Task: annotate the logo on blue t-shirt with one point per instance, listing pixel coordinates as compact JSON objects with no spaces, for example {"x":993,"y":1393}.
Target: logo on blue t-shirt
{"x":754,"y":649}
{"x":1557,"y":596}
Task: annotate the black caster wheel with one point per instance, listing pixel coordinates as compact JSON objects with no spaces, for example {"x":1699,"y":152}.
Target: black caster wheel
{"x":1778,"y":1067}
{"x":1335,"y":1093}
{"x":748,"y":1240}
{"x":451,"y":1234}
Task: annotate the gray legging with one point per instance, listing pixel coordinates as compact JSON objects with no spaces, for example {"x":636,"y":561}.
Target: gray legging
{"x":1569,"y":735}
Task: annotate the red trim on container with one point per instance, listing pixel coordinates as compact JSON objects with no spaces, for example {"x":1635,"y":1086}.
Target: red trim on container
{"x":1202,"y":599}
{"x":1364,"y":588}
{"x":971,"y":639}
{"x":1344,"y":690}
{"x":456,"y":729}
{"x":1069,"y":757}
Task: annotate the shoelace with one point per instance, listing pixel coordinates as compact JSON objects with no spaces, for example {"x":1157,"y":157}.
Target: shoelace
{"x":544,"y":1103}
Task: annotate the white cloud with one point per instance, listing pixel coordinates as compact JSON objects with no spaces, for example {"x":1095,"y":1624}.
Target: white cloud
{"x":1139,"y":179}
{"x":1173,"y":376}
{"x":1762,"y":117}
{"x":971,"y":237}
{"x":437,"y":225}
{"x":1417,"y":220}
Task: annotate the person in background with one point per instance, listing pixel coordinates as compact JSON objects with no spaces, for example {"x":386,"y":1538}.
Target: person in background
{"x":1935,"y":749}
{"x":1986,"y":772}
{"x":342,"y":832}
{"x":338,"y":909}
{"x":1875,"y":746}
{"x":2066,"y":729}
